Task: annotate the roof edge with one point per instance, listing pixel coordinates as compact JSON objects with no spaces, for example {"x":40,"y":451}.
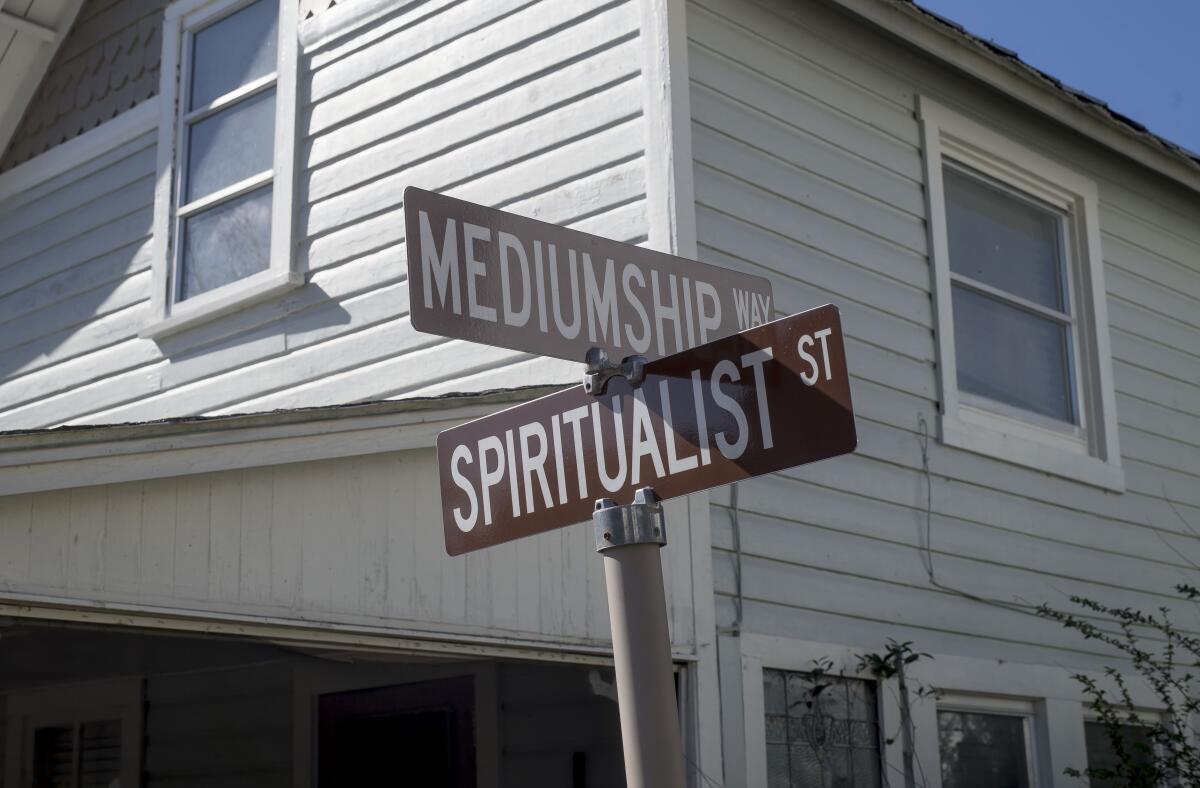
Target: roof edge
{"x":1004,"y":71}
{"x":81,"y":456}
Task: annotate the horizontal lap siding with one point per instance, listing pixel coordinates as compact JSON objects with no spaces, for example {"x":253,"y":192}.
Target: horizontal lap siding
{"x":534,"y":107}
{"x":808,"y":170}
{"x":228,"y":727}
{"x":74,"y":277}
{"x":551,"y":714}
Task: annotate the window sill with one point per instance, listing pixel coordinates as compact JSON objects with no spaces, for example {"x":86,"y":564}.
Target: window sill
{"x":1044,"y":450}
{"x":222,"y":301}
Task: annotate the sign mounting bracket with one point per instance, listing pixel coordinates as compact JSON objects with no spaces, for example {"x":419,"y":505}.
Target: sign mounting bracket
{"x":601,"y":369}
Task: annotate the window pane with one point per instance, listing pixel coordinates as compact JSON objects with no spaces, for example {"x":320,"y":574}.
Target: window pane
{"x":773,"y":698}
{"x":1003,"y":241}
{"x":828,"y":734}
{"x":1012,"y":355}
{"x":226,"y":243}
{"x":982,"y":750}
{"x":231,"y":145}
{"x":1102,"y":755}
{"x":233,"y":51}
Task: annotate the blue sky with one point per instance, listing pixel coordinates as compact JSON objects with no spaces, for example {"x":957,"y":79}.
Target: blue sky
{"x":1140,"y":56}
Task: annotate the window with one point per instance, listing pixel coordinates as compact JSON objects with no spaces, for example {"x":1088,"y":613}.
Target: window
{"x":1022,"y":330}
{"x":986,"y":743}
{"x":223,"y":207}
{"x":1102,"y":754}
{"x":821,"y":732}
{"x":74,"y":737}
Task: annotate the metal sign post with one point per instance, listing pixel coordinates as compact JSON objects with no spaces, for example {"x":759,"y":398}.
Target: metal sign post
{"x":629,"y":538}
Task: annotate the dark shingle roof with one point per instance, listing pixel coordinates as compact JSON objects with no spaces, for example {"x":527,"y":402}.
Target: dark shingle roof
{"x":1092,"y":104}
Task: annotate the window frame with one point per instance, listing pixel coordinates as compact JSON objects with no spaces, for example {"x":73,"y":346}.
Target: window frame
{"x":1026,"y":710}
{"x":1147,"y":717}
{"x":181,"y":20}
{"x":759,"y":652}
{"x":73,"y":704}
{"x":836,"y":676}
{"x":1088,"y":451}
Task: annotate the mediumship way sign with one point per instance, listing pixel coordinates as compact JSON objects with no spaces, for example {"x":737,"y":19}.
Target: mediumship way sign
{"x":500,"y":279}
{"x":762,"y":400}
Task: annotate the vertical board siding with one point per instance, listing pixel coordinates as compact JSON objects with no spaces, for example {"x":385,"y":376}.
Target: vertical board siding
{"x":807,"y":169}
{"x":528,"y":105}
{"x":356,"y":541}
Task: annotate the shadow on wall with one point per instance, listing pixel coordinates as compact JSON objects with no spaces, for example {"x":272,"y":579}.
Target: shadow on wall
{"x":70,"y":314}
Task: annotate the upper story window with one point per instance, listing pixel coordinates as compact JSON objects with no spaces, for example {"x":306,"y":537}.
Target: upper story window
{"x":1008,"y":279}
{"x":1022,"y":329}
{"x":223,"y":207}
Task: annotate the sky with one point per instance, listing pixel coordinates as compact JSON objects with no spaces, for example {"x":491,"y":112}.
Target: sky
{"x":1142,"y":57}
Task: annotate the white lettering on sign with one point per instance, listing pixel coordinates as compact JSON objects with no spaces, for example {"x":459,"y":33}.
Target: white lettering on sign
{"x":441,"y":270}
{"x":572,"y":294}
{"x":626,"y":440}
{"x":813,"y":374}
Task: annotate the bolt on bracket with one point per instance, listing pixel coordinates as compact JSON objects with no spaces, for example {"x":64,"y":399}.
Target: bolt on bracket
{"x":601,"y":369}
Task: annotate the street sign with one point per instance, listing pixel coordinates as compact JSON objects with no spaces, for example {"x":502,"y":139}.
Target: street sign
{"x":768,"y":398}
{"x":500,"y":279}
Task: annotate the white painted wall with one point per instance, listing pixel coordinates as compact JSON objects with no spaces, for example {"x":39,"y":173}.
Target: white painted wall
{"x":535,"y":107}
{"x":808,"y":169}
{"x":353,"y":542}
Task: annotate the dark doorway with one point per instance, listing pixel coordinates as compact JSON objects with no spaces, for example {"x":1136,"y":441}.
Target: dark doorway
{"x":403,"y":735}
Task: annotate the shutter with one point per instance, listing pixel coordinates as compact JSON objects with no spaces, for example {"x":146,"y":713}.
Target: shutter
{"x":99,"y":762}
{"x":100,"y":754}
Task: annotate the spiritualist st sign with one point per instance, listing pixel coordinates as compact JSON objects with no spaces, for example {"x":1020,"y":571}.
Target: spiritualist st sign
{"x":762,"y":400}
{"x":500,"y":279}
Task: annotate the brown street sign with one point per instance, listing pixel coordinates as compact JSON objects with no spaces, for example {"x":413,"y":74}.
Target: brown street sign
{"x":500,"y":279}
{"x":768,"y":398}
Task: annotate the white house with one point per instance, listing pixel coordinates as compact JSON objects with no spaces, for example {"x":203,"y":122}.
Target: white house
{"x":221,"y":558}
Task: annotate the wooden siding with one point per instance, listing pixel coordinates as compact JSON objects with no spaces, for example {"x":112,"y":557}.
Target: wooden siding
{"x":808,"y":169}
{"x":229,"y":727}
{"x":535,"y":107}
{"x":355,"y":541}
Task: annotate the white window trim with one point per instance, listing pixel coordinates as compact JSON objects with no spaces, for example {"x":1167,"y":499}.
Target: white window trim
{"x":1050,"y":694}
{"x":1092,"y":454}
{"x":281,"y":275}
{"x":29,"y":709}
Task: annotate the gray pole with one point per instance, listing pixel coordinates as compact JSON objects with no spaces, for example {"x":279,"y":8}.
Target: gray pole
{"x":629,"y":538}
